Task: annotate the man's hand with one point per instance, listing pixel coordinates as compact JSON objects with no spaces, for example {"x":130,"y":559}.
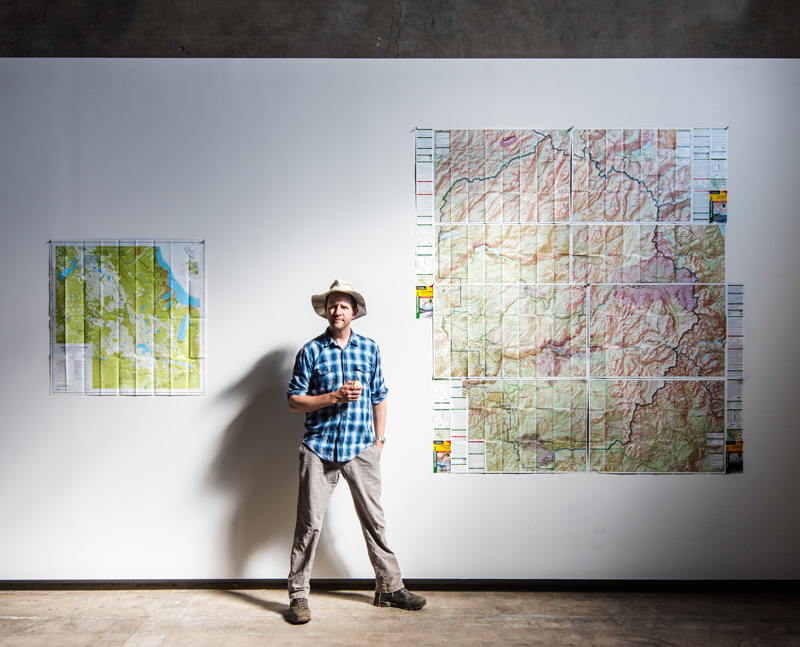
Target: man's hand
{"x":349,"y":392}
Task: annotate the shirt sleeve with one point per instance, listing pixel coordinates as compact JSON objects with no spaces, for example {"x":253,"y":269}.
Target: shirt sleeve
{"x":301,"y":375}
{"x":377,"y":385}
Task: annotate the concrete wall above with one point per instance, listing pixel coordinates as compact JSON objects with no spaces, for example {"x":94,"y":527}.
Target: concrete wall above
{"x":401,"y":29}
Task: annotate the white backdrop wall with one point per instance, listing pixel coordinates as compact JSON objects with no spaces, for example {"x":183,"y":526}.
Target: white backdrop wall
{"x":296,"y":172}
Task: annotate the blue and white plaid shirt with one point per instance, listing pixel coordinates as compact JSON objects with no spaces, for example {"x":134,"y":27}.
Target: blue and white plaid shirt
{"x":339,"y":432}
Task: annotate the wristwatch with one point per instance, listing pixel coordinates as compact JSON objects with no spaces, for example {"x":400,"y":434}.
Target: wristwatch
{"x":381,"y":439}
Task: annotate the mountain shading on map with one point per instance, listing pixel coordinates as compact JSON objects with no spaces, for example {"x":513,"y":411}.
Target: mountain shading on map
{"x":577,"y":306}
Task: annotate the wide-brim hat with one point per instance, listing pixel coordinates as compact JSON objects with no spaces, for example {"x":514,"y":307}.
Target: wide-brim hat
{"x":318,"y":300}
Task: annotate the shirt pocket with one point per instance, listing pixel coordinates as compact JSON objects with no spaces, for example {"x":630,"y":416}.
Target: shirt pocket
{"x":362,"y":373}
{"x":321,"y":381}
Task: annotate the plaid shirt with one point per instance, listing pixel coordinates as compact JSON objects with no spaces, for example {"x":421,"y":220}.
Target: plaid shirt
{"x":339,"y":432}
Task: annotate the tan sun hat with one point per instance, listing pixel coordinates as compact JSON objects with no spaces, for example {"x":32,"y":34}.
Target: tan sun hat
{"x":318,"y":300}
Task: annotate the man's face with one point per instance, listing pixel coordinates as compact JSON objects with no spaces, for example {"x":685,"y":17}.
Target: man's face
{"x":339,"y":311}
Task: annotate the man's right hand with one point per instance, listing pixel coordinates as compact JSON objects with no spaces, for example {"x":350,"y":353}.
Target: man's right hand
{"x":348,"y":392}
{"x":308,"y":403}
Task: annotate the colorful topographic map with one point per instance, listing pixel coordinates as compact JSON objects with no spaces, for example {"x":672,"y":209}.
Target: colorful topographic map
{"x":127,"y":318}
{"x":576,"y":303}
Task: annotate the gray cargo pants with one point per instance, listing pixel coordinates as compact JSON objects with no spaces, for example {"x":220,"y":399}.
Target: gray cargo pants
{"x":318,"y":478}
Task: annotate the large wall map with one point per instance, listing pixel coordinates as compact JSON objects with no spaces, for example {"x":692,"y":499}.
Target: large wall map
{"x":579,"y":298}
{"x":127,"y":317}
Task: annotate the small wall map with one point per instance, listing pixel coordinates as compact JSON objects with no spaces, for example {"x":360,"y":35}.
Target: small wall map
{"x":127,"y":317}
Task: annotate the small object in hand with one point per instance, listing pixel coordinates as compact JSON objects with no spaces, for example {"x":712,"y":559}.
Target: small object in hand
{"x":356,"y":384}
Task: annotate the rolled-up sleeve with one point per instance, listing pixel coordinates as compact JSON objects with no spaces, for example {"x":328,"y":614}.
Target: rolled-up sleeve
{"x":301,"y":375}
{"x":377,"y":385}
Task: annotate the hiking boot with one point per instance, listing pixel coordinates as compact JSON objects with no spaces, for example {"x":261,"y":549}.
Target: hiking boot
{"x":299,"y":613}
{"x":402,"y":599}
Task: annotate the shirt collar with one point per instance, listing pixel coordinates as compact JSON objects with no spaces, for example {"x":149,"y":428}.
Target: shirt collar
{"x":328,"y":340}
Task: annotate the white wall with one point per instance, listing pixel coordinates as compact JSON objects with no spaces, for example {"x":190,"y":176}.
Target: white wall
{"x":296,"y":172}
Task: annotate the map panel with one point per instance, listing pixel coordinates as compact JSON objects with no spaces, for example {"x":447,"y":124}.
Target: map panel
{"x":648,"y":254}
{"x":631,"y":175}
{"x":127,"y":317}
{"x":529,"y":425}
{"x":574,"y":267}
{"x":657,"y":331}
{"x":504,"y":176}
{"x":657,"y":425}
{"x":510,"y":331}
{"x":507,"y":254}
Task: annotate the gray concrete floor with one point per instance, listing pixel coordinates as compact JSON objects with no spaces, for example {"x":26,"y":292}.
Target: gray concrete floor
{"x":218,"y":618}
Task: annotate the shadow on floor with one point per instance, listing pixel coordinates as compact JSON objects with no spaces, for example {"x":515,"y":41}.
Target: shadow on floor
{"x":257,"y":463}
{"x":363,"y":598}
{"x":282,"y":609}
{"x":267,"y":605}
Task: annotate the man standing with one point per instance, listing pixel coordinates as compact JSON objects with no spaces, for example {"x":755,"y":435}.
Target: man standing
{"x":338,"y":383}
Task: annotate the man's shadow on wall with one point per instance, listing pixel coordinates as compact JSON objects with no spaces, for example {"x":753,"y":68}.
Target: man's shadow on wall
{"x":258,"y":463}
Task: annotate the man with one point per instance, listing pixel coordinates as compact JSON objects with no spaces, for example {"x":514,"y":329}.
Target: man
{"x":338,"y":383}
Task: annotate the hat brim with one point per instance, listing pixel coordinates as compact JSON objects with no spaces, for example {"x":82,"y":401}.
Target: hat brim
{"x":318,"y":302}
